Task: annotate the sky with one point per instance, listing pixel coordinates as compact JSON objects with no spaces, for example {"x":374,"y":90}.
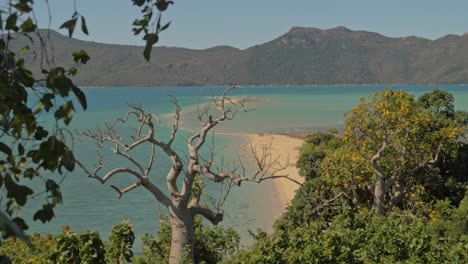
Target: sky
{"x":200,"y":24}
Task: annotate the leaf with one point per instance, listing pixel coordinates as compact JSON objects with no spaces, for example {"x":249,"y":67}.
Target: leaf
{"x":45,"y":214}
{"x":11,"y":22}
{"x":165,"y":26}
{"x":65,"y":112}
{"x":47,"y":101}
{"x":18,"y":192}
{"x":30,"y":173}
{"x":22,"y":7}
{"x":5,"y":149}
{"x":20,"y":149}
{"x":54,"y":189}
{"x":40,"y":133}
{"x":58,"y":82}
{"x":162,"y":5}
{"x":151,"y":39}
{"x":20,"y":223}
{"x":80,"y":96}
{"x":80,"y":56}
{"x":83,"y":26}
{"x":70,"y":25}
{"x":23,"y":50}
{"x":138,"y":2}
{"x":28,"y":26}
{"x":68,"y":160}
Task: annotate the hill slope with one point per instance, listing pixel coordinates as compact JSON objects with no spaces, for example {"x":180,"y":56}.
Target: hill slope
{"x":301,"y":56}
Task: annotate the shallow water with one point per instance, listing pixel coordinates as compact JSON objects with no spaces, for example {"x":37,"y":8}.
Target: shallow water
{"x":88,"y":205}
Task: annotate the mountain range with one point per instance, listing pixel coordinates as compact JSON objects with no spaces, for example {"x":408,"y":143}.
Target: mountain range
{"x":302,"y":56}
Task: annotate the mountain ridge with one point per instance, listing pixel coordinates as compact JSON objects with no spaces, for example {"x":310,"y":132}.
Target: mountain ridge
{"x":301,"y":56}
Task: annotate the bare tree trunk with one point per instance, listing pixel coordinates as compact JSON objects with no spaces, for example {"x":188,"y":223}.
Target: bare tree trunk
{"x":398,"y":194}
{"x":379,"y":197}
{"x":182,"y":242}
{"x":183,"y":201}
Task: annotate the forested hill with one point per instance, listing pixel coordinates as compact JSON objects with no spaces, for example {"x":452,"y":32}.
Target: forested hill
{"x":299,"y":57}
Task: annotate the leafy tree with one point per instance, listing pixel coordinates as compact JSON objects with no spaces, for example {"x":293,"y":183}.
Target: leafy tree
{"x":121,"y":242}
{"x":330,"y":219}
{"x":439,"y":102}
{"x":346,"y":234}
{"x":314,"y":151}
{"x":391,"y":142}
{"x":78,"y":248}
{"x":30,"y":146}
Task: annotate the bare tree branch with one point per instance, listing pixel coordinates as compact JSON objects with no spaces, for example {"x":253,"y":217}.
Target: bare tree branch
{"x":212,"y":216}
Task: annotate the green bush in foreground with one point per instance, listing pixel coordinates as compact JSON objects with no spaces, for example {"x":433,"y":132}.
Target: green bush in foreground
{"x":362,"y":236}
{"x":212,"y":245}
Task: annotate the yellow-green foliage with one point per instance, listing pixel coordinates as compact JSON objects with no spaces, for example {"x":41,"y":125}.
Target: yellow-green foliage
{"x":19,"y":252}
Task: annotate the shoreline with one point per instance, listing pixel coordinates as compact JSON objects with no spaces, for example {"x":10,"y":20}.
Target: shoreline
{"x":286,"y":149}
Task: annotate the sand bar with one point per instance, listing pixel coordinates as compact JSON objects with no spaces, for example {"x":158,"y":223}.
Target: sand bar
{"x":284,"y":147}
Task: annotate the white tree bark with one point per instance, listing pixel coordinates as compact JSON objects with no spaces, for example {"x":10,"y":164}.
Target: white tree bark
{"x":182,"y":203}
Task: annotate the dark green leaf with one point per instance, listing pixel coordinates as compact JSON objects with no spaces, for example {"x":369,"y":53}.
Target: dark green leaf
{"x":138,"y":2}
{"x":40,"y":133}
{"x":151,"y":39}
{"x":20,"y":149}
{"x":20,"y":223}
{"x":47,"y":101}
{"x":22,"y":7}
{"x":60,"y":83}
{"x":45,"y":214}
{"x":18,"y":192}
{"x":70,"y":25}
{"x":68,"y":160}
{"x":30,"y":173}
{"x":163,"y":4}
{"x":5,"y":149}
{"x":11,"y":22}
{"x":54,"y":189}
{"x":65,"y":112}
{"x":80,"y":96}
{"x":28,"y":25}
{"x":165,"y":26}
{"x":84,"y":28}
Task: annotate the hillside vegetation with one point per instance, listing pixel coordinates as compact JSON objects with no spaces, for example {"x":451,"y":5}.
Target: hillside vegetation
{"x":302,"y":56}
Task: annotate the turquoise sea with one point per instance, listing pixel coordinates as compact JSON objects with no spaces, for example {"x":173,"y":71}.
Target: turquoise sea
{"x":89,"y":205}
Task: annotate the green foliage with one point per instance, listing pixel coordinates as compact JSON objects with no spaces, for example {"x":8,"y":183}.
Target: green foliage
{"x":330,"y":219}
{"x":361,"y":236}
{"x":27,"y":147}
{"x":390,"y":135}
{"x":18,"y":251}
{"x":121,"y":242}
{"x":439,"y":102}
{"x":68,"y":247}
{"x":78,"y":248}
{"x":314,"y":151}
{"x":212,"y":244}
{"x":151,"y":36}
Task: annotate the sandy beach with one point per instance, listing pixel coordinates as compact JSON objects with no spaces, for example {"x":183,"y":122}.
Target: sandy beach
{"x":286,"y":148}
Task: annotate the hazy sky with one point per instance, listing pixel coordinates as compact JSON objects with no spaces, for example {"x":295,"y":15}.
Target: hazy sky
{"x":244,"y":23}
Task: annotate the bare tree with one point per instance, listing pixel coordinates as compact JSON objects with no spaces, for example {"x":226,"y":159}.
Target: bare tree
{"x":181,"y":200}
